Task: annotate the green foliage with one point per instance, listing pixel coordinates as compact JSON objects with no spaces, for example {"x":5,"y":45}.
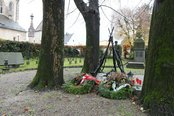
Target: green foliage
{"x":131,"y":55}
{"x":119,"y":48}
{"x":107,"y":93}
{"x":28,"y":50}
{"x":70,"y":51}
{"x":156,"y":97}
{"x":78,"y":89}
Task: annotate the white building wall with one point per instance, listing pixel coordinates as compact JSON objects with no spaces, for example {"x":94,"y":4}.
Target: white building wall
{"x":31,"y":40}
{"x":7,"y":34}
{"x":38,"y":36}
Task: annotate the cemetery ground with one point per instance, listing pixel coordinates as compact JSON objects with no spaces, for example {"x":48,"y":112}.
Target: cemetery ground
{"x":68,"y":63}
{"x":16,"y":99}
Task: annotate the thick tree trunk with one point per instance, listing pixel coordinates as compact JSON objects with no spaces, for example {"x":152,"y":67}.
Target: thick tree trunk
{"x":91,"y":16}
{"x":50,"y":68}
{"x":158,"y":92}
{"x":92,"y":43}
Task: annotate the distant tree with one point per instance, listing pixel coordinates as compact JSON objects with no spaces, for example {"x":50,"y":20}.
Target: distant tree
{"x":131,"y":21}
{"x":50,"y":67}
{"x":158,"y":93}
{"x":143,"y":19}
{"x":124,"y":25}
{"x":90,"y":13}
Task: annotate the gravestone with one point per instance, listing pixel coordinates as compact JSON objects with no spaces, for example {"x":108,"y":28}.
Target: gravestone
{"x":139,"y":50}
{"x":139,"y":54}
{"x":11,"y":58}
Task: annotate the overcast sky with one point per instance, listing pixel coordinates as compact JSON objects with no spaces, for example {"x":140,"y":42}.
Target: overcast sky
{"x":28,"y":7}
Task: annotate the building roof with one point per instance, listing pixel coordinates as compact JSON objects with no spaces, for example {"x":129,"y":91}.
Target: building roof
{"x":67,"y":36}
{"x":39,"y":27}
{"x":7,"y":23}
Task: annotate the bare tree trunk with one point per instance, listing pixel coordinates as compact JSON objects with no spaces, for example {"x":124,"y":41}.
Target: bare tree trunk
{"x":92,"y":19}
{"x":158,"y":92}
{"x":50,"y":68}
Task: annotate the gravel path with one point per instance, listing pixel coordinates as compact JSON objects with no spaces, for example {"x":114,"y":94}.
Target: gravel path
{"x":16,"y":100}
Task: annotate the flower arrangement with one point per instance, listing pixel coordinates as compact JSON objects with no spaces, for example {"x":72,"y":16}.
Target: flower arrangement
{"x":79,"y":85}
{"x":115,"y":87}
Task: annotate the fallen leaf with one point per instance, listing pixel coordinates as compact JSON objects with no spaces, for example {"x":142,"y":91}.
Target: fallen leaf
{"x":26,"y":109}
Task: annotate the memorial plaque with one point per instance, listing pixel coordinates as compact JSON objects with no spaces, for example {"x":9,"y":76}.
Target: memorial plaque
{"x":139,"y":50}
{"x":11,"y":58}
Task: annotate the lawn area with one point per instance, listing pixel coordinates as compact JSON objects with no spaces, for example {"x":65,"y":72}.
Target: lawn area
{"x":72,"y":62}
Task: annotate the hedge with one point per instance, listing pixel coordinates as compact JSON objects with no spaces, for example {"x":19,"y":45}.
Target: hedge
{"x":30,"y":50}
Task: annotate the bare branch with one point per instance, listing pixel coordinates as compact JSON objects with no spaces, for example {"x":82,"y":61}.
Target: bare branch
{"x":145,"y":8}
{"x":106,"y":16}
{"x":137,"y":5}
{"x":75,"y":20}
{"x":121,"y":26}
{"x":68,"y":8}
{"x":115,"y":11}
{"x":71,"y":11}
{"x":103,"y":2}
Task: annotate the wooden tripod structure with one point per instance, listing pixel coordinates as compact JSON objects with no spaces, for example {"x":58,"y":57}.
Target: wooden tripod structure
{"x":117,"y":62}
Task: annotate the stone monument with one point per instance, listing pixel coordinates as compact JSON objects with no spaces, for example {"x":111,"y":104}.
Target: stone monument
{"x":11,"y":59}
{"x":139,"y":50}
{"x":139,"y":54}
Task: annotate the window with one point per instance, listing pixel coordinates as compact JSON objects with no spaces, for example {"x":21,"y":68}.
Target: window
{"x":11,"y":6}
{"x":11,"y":9}
{"x":1,"y":7}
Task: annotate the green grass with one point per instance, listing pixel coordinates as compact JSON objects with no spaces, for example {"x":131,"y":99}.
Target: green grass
{"x":25,"y":66}
{"x":73,"y":62}
{"x":69,"y":62}
{"x":32,"y":65}
{"x":109,"y":62}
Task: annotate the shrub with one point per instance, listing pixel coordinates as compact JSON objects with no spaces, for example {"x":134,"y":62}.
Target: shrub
{"x":70,"y":87}
{"x":28,"y":50}
{"x":107,"y":93}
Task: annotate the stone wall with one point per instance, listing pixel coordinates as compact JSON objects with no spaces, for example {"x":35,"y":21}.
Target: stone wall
{"x":15,"y":11}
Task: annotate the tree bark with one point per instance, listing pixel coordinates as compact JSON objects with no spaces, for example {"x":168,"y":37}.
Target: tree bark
{"x":158,"y":92}
{"x":50,"y":67}
{"x":91,"y":16}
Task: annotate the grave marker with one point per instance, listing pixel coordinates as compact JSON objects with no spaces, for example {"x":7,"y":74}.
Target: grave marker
{"x":12,"y":58}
